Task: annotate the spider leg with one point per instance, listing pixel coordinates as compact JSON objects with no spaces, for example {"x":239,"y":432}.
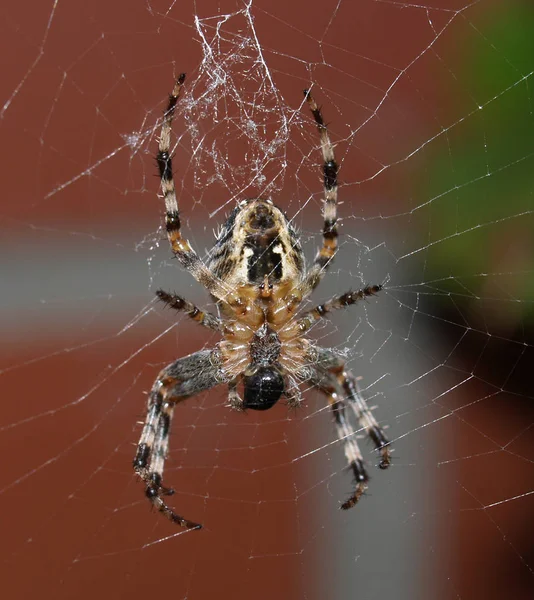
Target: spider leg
{"x":326,"y":359}
{"x":330,"y":170}
{"x":328,"y":384}
{"x":180,"y":246}
{"x":365,"y":416}
{"x":178,"y":303}
{"x":308,"y":318}
{"x":176,"y":382}
{"x":352,"y":450}
{"x":330,"y":376}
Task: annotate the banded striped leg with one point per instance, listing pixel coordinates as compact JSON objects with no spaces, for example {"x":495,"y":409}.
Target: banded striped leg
{"x":330,"y":171}
{"x":176,"y":382}
{"x":352,"y":451}
{"x":329,"y":385}
{"x":306,"y":321}
{"x":331,"y":377}
{"x":180,"y":246}
{"x":178,"y":303}
{"x":365,"y":416}
{"x":328,"y":361}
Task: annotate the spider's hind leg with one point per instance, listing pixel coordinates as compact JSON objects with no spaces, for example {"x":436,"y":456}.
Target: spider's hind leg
{"x":328,"y":250}
{"x":181,"y":247}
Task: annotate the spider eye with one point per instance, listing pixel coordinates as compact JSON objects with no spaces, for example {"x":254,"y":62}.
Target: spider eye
{"x":263,"y":389}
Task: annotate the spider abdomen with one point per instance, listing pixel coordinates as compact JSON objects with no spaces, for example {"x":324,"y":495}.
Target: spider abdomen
{"x":257,"y":240}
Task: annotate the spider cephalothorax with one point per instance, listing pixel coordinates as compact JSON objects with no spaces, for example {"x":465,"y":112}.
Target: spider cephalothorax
{"x":257,"y":276}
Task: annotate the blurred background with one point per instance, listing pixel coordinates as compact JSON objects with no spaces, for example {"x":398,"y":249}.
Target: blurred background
{"x":431,"y":110}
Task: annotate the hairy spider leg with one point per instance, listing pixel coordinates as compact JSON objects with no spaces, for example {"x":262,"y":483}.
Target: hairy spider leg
{"x":328,"y":250}
{"x":364,"y":415}
{"x":329,"y":374}
{"x":328,"y":384}
{"x":176,"y":382}
{"x":307,"y":319}
{"x":346,"y":434}
{"x":180,"y":246}
{"x":181,"y":304}
{"x":326,"y":359}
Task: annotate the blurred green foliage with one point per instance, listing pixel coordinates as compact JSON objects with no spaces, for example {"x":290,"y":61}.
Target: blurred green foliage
{"x":482,"y":177}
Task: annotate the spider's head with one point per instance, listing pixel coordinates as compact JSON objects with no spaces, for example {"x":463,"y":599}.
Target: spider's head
{"x":263,"y":388}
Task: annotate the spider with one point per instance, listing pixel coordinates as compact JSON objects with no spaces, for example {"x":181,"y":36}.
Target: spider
{"x":256,"y":274}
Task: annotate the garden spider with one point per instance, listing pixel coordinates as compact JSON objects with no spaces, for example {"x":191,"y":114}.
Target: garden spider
{"x":256,"y":275}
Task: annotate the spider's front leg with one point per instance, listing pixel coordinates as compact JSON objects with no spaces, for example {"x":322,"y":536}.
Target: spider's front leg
{"x":329,"y":361}
{"x":364,"y":415}
{"x":352,"y":451}
{"x":176,"y":382}
{"x":328,"y":384}
{"x":331,"y":377}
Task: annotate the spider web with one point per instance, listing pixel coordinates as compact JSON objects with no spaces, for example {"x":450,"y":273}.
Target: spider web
{"x":430,"y":107}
